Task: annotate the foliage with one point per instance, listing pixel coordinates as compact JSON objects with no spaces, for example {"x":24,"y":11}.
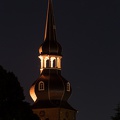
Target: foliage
{"x":12,"y":106}
{"x":117,"y":114}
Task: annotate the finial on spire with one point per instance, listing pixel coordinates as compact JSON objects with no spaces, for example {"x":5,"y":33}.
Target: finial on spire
{"x":50,"y":28}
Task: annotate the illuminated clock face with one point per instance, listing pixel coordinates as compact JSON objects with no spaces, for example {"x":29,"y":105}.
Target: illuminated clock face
{"x":42,"y":113}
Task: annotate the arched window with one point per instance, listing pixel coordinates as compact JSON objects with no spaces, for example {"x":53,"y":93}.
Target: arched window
{"x":41,"y":86}
{"x":54,"y":63}
{"x":47,"y":64}
{"x":68,"y":86}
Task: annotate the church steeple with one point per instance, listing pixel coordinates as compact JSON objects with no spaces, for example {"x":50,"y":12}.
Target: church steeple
{"x":50,"y":50}
{"x":51,"y":91}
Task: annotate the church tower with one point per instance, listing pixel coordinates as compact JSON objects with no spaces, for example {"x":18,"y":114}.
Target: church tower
{"x":51,"y":91}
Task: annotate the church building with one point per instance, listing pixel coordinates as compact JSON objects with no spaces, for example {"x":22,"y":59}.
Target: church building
{"x":51,"y":90}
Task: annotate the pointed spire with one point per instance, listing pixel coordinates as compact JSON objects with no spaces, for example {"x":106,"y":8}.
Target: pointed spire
{"x":50,"y":28}
{"x":50,"y":45}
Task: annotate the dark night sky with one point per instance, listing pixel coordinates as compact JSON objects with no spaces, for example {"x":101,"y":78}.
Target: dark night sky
{"x":89,"y":32}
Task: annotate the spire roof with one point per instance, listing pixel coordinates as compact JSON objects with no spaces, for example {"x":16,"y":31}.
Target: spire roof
{"x":50,"y":28}
{"x":50,"y":46}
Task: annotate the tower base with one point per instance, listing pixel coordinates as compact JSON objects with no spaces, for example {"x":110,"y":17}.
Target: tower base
{"x":55,"y":114}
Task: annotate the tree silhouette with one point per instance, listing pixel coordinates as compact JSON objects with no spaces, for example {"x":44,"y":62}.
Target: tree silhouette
{"x":117,"y":114}
{"x":12,"y":106}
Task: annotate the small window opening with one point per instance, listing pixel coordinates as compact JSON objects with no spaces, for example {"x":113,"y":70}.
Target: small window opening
{"x":47,"y":119}
{"x":47,"y":63}
{"x":54,"y":65}
{"x":41,"y":86}
{"x":68,"y":87}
